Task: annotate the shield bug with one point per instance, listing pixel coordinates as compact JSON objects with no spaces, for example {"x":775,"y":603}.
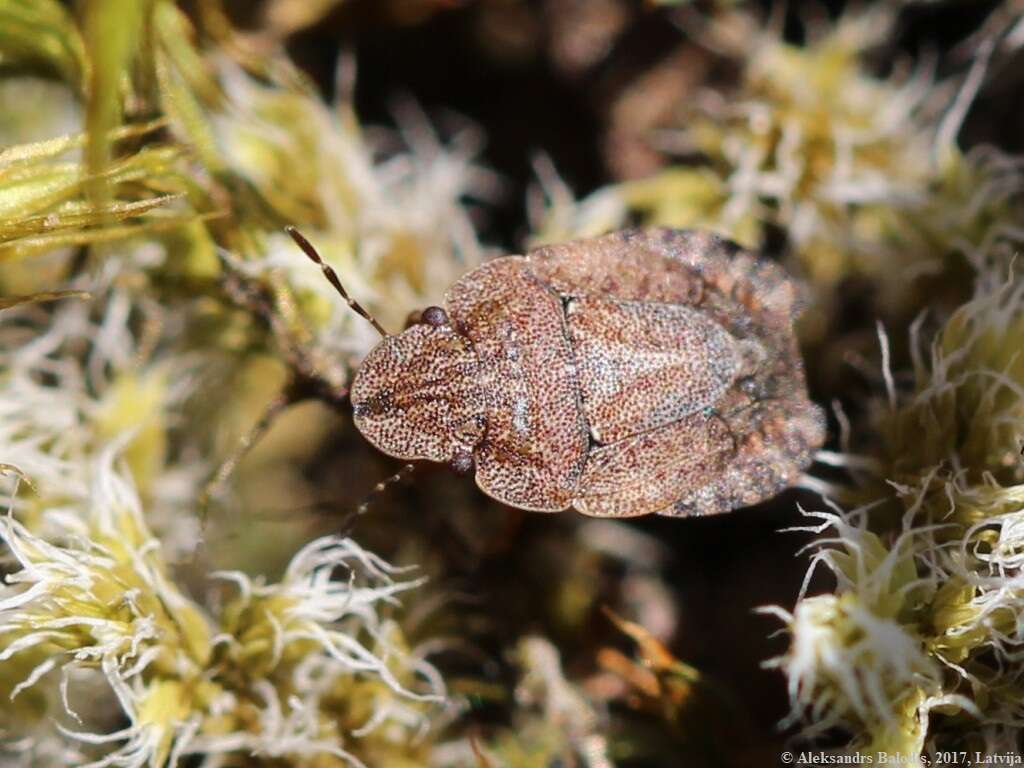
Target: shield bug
{"x":645,"y":371}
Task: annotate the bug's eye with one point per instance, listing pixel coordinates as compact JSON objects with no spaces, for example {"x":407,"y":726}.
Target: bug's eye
{"x":461,"y":463}
{"x":434,"y":316}
{"x":471,"y":430}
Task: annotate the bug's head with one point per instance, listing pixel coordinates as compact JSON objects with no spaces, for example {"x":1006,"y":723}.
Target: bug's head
{"x":418,"y":394}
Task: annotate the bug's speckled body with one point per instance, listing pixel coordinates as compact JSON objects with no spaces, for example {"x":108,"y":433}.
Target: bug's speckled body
{"x":640,"y":372}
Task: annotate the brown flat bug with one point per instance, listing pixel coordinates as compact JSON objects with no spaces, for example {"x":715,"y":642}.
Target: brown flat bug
{"x":651,"y":371}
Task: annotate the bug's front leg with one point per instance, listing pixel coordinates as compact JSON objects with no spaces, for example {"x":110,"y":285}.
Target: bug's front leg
{"x":308,"y":378}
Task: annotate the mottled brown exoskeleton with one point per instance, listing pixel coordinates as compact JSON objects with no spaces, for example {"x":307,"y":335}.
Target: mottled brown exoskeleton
{"x":640,"y":372}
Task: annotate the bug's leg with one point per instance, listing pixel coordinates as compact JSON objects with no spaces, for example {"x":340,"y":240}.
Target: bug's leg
{"x":332,"y":278}
{"x":330,"y":505}
{"x":298,"y":388}
{"x":382,"y":486}
{"x":347,"y":521}
{"x":215,"y":485}
{"x":270,"y":307}
{"x":310,"y":377}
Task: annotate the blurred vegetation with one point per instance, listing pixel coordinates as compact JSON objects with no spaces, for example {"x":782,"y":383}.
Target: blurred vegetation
{"x":157,"y":324}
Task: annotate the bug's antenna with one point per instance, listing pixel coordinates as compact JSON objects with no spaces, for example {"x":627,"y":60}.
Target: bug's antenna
{"x":332,"y":277}
{"x":382,"y":486}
